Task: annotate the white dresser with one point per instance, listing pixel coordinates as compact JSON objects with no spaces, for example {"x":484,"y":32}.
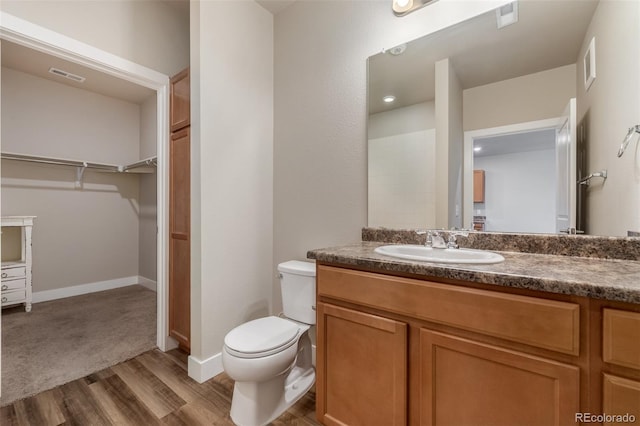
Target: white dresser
{"x":16,"y":273}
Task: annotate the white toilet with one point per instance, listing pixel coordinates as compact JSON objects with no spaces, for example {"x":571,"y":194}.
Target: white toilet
{"x":270,"y":358}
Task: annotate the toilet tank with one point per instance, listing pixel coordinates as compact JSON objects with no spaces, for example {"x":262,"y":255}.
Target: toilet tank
{"x":298,"y":287}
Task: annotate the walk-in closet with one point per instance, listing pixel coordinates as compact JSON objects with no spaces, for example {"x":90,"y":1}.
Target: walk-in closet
{"x":79,"y":156}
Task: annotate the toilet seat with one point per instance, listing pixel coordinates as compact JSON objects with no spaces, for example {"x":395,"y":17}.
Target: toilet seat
{"x":261,"y":337}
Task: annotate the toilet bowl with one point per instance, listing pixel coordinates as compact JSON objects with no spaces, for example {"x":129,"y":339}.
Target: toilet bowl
{"x":270,"y":359}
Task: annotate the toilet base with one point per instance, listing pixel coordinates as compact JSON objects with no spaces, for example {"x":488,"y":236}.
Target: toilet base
{"x":257,"y":404}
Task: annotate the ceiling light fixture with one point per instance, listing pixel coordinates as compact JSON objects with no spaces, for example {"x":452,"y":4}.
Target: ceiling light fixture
{"x":477,"y":149}
{"x":388,"y":99}
{"x":402,"y":7}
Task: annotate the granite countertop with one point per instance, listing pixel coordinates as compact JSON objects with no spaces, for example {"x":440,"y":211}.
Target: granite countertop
{"x":609,"y":279}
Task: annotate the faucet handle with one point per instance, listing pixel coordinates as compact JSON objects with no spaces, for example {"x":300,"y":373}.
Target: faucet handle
{"x":453,"y":242}
{"x":430,"y":233}
{"x":459,"y":232}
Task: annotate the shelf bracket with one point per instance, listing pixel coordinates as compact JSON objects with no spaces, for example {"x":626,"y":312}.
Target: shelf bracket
{"x":587,"y":180}
{"x":80,"y":174}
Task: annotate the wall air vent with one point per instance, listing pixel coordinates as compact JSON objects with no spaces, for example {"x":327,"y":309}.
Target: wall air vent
{"x":66,"y":74}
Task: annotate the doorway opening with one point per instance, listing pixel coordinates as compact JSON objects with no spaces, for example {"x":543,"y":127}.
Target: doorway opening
{"x":25,"y":35}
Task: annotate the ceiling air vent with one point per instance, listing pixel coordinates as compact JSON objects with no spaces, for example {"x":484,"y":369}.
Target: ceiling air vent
{"x":66,"y":74}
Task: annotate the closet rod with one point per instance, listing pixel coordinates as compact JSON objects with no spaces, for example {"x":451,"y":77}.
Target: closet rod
{"x":59,"y":161}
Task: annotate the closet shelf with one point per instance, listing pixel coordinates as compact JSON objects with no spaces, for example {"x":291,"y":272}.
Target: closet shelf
{"x":142,"y":166}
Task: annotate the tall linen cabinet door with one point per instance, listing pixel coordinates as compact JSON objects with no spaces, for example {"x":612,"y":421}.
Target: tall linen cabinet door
{"x":180,"y":100}
{"x":362,"y":368}
{"x":180,"y":238}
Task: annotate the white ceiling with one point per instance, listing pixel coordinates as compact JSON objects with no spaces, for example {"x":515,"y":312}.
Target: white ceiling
{"x":547,"y":35}
{"x":36,"y":63}
{"x":518,"y":142}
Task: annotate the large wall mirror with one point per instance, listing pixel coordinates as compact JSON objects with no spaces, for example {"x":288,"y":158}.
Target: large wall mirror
{"x":491,"y":123}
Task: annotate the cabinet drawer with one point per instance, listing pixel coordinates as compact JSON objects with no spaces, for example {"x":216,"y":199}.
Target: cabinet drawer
{"x":621,"y":338}
{"x":15,"y":272}
{"x":538,"y":322}
{"x":10,"y":285}
{"x":11,"y":297}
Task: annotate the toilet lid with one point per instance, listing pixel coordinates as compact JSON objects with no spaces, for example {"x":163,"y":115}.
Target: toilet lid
{"x":261,"y":335}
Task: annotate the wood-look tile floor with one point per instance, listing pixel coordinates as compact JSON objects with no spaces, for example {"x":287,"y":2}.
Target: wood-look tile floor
{"x":150,"y":389}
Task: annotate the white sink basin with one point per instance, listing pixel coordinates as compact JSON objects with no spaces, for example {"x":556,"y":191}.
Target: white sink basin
{"x":427,"y":254}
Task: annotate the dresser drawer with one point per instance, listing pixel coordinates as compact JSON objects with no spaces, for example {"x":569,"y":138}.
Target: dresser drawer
{"x":11,"y":297}
{"x":621,"y":338}
{"x":538,"y":322}
{"x":9,"y":273}
{"x":10,"y":285}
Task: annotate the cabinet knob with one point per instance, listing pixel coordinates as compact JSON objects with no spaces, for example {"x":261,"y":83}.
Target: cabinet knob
{"x":4,"y":287}
{"x":4,"y":299}
{"x":5,"y":275}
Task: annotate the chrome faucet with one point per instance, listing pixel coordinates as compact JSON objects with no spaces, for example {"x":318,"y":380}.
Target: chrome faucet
{"x":436,"y":238}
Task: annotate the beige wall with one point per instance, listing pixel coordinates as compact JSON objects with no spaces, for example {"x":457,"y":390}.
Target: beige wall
{"x":401,"y":167}
{"x":611,"y":106}
{"x":531,"y":97}
{"x":449,"y":144}
{"x":81,"y":235}
{"x":320,"y":174}
{"x":151,"y":33}
{"x":412,"y":118}
{"x":232,"y":169}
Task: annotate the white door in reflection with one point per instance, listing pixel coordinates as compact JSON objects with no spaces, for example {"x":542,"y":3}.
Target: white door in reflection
{"x":566,"y":171}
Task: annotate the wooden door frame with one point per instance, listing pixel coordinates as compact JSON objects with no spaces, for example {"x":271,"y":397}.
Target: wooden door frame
{"x":25,"y":33}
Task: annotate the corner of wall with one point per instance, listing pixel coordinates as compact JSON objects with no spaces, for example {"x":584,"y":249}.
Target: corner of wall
{"x":203,"y":370}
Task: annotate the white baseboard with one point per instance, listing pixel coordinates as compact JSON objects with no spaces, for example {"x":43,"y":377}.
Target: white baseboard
{"x":146,"y":282}
{"x":201,"y":371}
{"x":76,"y":290}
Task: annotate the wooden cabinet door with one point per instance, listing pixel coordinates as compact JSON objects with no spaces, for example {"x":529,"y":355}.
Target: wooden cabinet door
{"x":179,"y":238}
{"x":180,"y":100}
{"x":620,"y":397}
{"x":362,"y":368}
{"x":469,"y":383}
{"x":478,"y":186}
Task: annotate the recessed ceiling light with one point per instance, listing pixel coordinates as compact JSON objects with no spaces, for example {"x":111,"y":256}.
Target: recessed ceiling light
{"x":477,"y":149}
{"x":388,"y":99}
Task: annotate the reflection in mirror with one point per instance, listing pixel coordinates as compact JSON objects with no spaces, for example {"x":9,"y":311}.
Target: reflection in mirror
{"x":521,"y":95}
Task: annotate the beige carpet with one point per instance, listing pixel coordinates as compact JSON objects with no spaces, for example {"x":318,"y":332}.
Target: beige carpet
{"x":63,"y":340}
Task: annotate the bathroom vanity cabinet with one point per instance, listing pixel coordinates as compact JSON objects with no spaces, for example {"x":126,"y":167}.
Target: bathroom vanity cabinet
{"x":398,"y":350}
{"x":620,"y":360}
